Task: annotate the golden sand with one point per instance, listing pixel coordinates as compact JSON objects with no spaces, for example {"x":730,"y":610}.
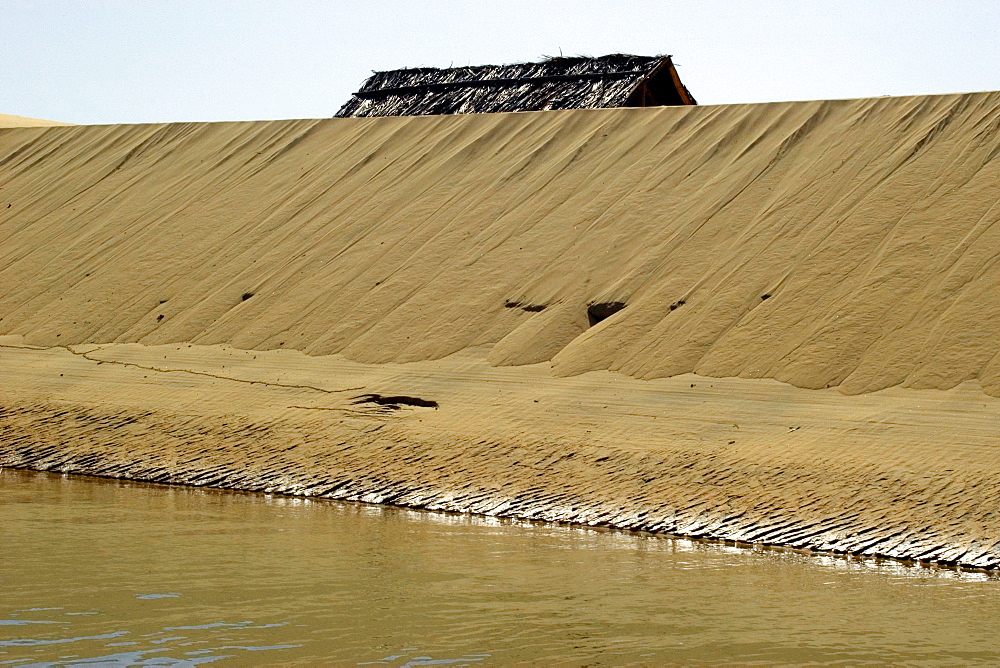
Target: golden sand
{"x":807,"y":353}
{"x":9,"y":121}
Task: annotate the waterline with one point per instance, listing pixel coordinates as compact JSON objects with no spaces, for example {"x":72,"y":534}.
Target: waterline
{"x":193,"y":575}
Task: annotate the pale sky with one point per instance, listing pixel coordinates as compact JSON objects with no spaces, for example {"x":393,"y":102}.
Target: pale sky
{"x":133,"y":61}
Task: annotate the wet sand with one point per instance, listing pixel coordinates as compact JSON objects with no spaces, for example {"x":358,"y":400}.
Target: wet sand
{"x":799,"y":346}
{"x":901,"y":473}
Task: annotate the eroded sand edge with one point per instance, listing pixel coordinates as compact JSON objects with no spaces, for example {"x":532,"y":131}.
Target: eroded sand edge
{"x":903,"y":473}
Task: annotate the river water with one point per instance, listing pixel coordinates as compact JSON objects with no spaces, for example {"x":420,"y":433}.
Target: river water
{"x":97,"y":572}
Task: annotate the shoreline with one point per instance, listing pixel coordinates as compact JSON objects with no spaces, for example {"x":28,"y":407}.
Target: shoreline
{"x":300,"y":432}
{"x":991,"y":573}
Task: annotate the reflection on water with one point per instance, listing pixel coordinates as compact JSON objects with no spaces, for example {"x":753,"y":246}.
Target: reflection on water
{"x":114,"y":573}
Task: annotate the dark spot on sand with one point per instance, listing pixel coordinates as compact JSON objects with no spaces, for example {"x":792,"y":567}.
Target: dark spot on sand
{"x":602,"y":311}
{"x":394,"y":402}
{"x":530,"y":308}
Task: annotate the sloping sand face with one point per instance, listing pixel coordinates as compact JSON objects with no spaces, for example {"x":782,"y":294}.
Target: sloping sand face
{"x":770,"y":323}
{"x":10,"y":121}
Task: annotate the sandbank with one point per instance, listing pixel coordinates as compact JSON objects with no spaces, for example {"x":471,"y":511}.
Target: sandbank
{"x":769,"y":323}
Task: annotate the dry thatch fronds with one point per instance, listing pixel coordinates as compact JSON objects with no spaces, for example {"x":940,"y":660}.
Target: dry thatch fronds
{"x":616,"y":80}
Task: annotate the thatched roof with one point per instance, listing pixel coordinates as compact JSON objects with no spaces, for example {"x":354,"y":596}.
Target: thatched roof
{"x":617,"y":80}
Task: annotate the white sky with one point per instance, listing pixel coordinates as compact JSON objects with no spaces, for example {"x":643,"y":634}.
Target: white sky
{"x":130,"y":61}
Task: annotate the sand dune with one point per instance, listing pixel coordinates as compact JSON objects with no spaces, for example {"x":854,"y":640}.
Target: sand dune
{"x":870,"y":223}
{"x":804,"y":252}
{"x":9,"y":121}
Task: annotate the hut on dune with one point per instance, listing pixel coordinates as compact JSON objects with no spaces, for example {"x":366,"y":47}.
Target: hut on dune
{"x":616,"y":80}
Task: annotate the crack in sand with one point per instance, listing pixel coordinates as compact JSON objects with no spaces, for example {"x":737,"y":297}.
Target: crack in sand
{"x":87,"y":356}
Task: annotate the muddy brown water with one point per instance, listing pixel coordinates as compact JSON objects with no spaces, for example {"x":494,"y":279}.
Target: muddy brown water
{"x":98,"y":572}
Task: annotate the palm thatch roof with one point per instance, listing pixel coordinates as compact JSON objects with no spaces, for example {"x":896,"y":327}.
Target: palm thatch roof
{"x":616,"y":80}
